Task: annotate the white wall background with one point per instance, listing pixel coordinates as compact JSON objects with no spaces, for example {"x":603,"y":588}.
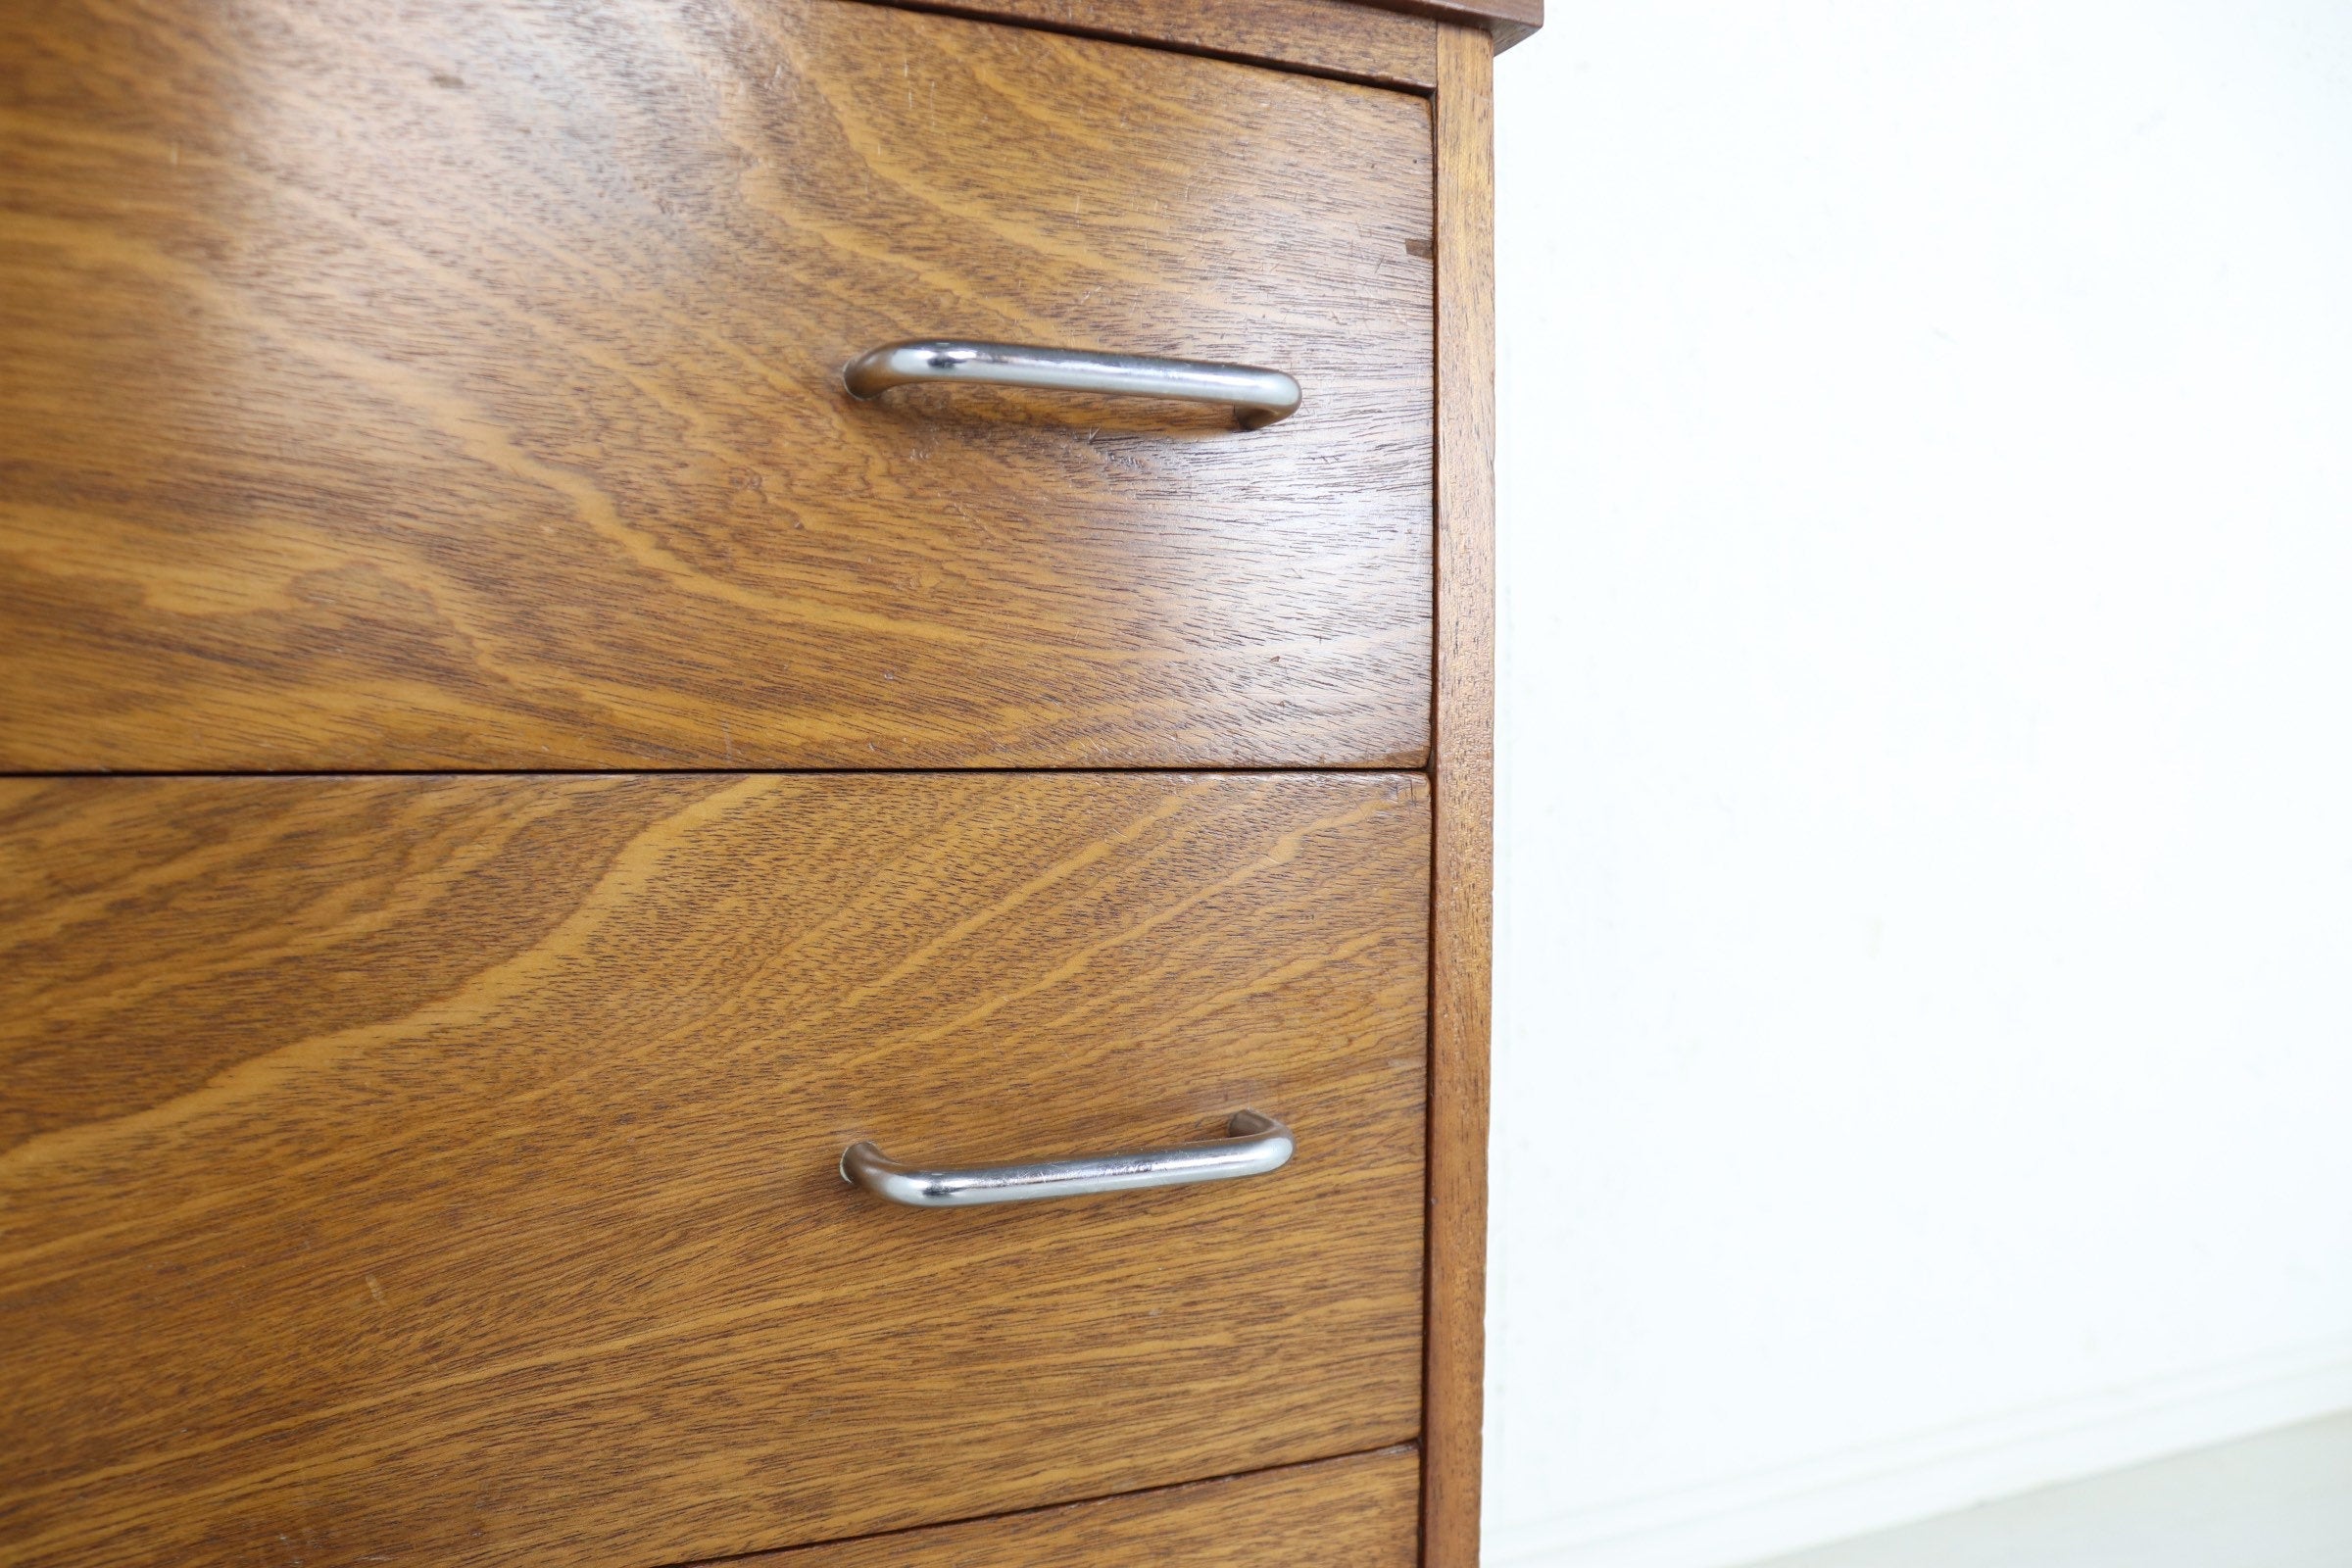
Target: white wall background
{"x":1923,"y":1056}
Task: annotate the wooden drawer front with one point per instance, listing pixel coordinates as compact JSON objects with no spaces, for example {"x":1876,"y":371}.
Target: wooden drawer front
{"x":458,"y":386}
{"x":442,"y":1171}
{"x":1358,"y":1513}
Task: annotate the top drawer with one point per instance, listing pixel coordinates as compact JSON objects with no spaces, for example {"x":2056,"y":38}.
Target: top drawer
{"x":460,"y":387}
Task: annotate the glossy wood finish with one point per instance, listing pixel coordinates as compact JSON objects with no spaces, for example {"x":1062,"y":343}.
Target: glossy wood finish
{"x":1356,"y":1512}
{"x":442,"y":1169}
{"x":1331,"y":37}
{"x":400,"y":388}
{"x":1463,"y":773}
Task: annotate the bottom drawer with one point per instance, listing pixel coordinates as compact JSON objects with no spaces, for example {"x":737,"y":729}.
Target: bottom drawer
{"x":443,"y":1170}
{"x":1358,"y":1513}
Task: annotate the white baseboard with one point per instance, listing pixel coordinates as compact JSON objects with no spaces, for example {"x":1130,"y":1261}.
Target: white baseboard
{"x":1742,"y":1519}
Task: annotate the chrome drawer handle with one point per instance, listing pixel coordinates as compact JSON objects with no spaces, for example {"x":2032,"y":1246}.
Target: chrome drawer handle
{"x":1258,"y":397}
{"x":1259,"y":1144}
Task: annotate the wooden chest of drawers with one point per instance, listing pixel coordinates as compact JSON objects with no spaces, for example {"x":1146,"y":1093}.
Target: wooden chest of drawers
{"x":579,"y":768}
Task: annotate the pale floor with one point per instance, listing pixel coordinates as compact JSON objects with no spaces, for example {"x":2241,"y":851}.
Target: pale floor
{"x":2280,"y":1501}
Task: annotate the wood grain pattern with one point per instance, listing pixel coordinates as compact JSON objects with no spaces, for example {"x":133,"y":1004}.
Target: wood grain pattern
{"x":457,"y":386}
{"x":1463,"y":770}
{"x":1505,"y":21}
{"x":1332,"y":37}
{"x":442,"y":1171}
{"x":1356,"y":1512}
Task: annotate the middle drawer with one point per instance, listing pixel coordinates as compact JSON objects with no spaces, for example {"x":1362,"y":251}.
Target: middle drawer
{"x":446,"y":1167}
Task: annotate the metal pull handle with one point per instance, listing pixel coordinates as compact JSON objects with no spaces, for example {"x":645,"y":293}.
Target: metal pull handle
{"x":1258,"y":397}
{"x":1259,"y":1144}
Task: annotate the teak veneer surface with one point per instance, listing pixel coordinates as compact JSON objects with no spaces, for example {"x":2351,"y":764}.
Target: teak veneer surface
{"x":1355,"y":1512}
{"x":1503,"y":22}
{"x":1337,"y":37}
{"x":442,"y":1169}
{"x":1463,"y":769}
{"x":399,"y":388}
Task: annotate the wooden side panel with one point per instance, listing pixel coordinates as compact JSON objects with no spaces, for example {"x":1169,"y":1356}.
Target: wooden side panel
{"x":1336,"y":37}
{"x":1463,"y":766}
{"x":458,"y":386}
{"x":443,"y":1170}
{"x":1356,"y":1512}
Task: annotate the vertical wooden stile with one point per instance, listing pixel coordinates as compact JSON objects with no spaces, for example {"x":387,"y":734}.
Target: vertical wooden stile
{"x":1463,"y":763}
